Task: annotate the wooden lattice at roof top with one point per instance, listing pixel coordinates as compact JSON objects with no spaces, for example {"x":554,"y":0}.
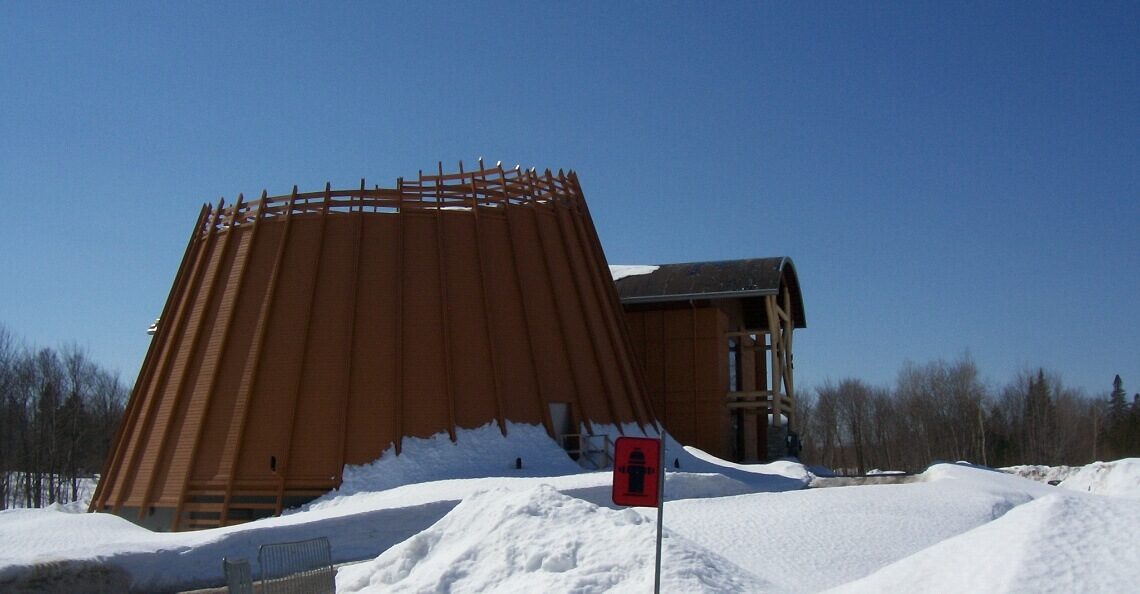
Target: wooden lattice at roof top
{"x":485,"y":188}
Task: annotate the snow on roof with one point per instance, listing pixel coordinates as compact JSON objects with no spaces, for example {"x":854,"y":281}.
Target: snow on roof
{"x":620,"y":271}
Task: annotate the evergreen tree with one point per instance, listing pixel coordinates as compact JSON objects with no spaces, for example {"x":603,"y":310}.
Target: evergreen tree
{"x":1117,"y":408}
{"x":1122,"y":432}
{"x":1040,"y":421}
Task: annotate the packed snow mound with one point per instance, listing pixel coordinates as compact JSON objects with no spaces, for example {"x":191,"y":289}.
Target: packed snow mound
{"x":1058,"y":543}
{"x":780,"y":475}
{"x":1120,"y":478}
{"x":836,"y":535}
{"x":541,"y":540}
{"x":475,"y":453}
{"x":620,"y":271}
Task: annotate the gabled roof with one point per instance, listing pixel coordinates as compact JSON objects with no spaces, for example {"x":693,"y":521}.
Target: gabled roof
{"x":726,"y":279}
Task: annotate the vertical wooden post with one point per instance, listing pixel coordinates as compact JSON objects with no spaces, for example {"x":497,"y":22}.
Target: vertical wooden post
{"x":294,"y":397}
{"x":226,"y":312}
{"x":350,"y":334}
{"x":445,"y":304}
{"x":399,"y":313}
{"x":500,"y":412}
{"x":530,"y":180}
{"x":507,"y":208}
{"x":582,"y":305}
{"x":777,"y":371}
{"x":159,"y":449}
{"x":789,"y":368}
{"x":248,"y":385}
{"x":605,"y":292}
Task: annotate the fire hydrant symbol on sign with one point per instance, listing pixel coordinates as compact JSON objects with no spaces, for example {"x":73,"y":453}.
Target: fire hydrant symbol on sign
{"x":636,"y":471}
{"x":636,"y":462}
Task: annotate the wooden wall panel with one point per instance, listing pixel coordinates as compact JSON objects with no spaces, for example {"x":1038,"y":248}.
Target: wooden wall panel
{"x":314,"y":450}
{"x":221,"y":391}
{"x":599,"y":339}
{"x":424,"y":367}
{"x":472,"y":366}
{"x":557,"y":380}
{"x":684,"y":357}
{"x":522,"y":400}
{"x":371,"y":417}
{"x":157,"y":459}
{"x":265,"y":448}
{"x":252,"y":311}
{"x":567,"y":302}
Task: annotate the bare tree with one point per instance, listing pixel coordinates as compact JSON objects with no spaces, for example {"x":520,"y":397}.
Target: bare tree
{"x":58,"y":416}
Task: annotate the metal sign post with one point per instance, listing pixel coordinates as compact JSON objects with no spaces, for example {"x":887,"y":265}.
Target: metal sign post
{"x":660,"y":513}
{"x":639,"y":480}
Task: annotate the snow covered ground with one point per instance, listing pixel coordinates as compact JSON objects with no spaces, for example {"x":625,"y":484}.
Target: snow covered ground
{"x":459,"y":517}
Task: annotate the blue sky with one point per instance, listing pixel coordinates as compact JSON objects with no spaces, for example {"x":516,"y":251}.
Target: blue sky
{"x":947,"y":177}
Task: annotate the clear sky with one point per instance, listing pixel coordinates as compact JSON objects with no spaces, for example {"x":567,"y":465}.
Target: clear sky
{"x":947,"y":177}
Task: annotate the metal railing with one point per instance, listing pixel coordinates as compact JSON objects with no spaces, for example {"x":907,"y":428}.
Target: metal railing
{"x":593,"y":452}
{"x":297,"y":567}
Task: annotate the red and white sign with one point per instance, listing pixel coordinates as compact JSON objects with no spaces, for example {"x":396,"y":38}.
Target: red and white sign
{"x":637,"y":467}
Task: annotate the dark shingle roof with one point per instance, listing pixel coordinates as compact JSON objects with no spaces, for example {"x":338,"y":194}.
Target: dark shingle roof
{"x":727,"y":279}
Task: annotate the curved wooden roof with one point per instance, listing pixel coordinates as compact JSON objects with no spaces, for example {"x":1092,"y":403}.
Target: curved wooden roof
{"x":726,"y":279}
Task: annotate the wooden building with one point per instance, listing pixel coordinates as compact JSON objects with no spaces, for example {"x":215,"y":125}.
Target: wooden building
{"x":714,"y":340}
{"x":314,"y":330}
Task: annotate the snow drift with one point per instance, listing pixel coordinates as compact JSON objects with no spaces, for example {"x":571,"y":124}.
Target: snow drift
{"x":541,"y":540}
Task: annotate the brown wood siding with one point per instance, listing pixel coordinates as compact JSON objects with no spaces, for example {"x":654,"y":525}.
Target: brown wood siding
{"x":371,"y":418}
{"x":522,"y":398}
{"x":685,"y":360}
{"x":314,"y":450}
{"x":472,"y":367}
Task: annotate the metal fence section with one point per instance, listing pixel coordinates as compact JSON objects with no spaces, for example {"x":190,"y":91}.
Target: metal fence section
{"x":303,"y":567}
{"x":239,"y":579}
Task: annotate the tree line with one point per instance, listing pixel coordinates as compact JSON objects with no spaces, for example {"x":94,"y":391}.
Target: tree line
{"x":58,"y":415}
{"x":943,"y":411}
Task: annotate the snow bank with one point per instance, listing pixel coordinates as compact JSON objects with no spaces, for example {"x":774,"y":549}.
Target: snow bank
{"x":1058,"y":543}
{"x":805,"y":541}
{"x":1120,"y":478}
{"x":481,"y":452}
{"x":541,"y":540}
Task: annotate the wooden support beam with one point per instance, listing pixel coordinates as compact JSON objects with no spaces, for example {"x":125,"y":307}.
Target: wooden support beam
{"x":789,"y":367}
{"x":206,"y":267}
{"x":776,"y":370}
{"x":398,"y":313}
{"x":496,"y":373}
{"x":293,"y":397}
{"x":444,"y":315}
{"x":580,"y":292}
{"x":547,"y":420}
